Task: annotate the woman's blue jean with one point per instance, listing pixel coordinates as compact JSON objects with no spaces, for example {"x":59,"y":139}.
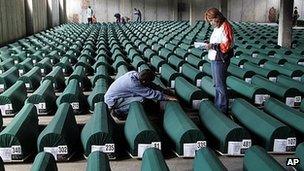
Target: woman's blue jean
{"x":219,"y":75}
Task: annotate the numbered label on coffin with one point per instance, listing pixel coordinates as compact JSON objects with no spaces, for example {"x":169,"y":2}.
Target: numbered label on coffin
{"x":107,"y":148}
{"x":59,"y":152}
{"x":9,"y":154}
{"x":75,"y":105}
{"x":291,"y":144}
{"x":238,"y":147}
{"x":6,"y":110}
{"x":290,"y":101}
{"x":41,"y":108}
{"x":190,"y":148}
{"x":142,"y":147}
{"x":279,"y":145}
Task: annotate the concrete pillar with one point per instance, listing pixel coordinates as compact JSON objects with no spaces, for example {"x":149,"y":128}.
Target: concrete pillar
{"x":192,"y":12}
{"x":285,"y":23}
{"x":53,"y":13}
{"x":62,"y":11}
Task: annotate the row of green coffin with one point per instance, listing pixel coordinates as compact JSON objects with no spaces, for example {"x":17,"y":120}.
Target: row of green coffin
{"x":271,"y":131}
{"x":61,"y":133}
{"x":45,"y":96}
{"x":256,"y":158}
{"x":140,"y":133}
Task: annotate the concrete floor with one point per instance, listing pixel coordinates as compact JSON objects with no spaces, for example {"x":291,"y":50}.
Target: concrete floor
{"x":126,"y":163}
{"x":174,"y":164}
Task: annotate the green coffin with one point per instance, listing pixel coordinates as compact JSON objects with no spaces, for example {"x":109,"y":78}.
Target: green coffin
{"x":66,"y":66}
{"x":277,"y":90}
{"x":153,"y":160}
{"x":61,"y":131}
{"x":240,"y":72}
{"x":290,"y":83}
{"x":195,"y":61}
{"x":22,"y":131}
{"x":283,"y":70}
{"x":121,"y":70}
{"x":181,"y":52}
{"x":57,"y":78}
{"x":294,"y":66}
{"x":255,"y":60}
{"x":98,"y":161}
{"x":269,"y":128}
{"x":157,"y":62}
{"x":97,"y":95}
{"x":187,"y":91}
{"x":222,"y":129}
{"x":137,"y":62}
{"x":191,"y":73}
{"x":168,"y":73}
{"x":206,"y":68}
{"x":207,"y":85}
{"x":267,"y":73}
{"x":73,"y":94}
{"x":101,"y":60}
{"x":118,"y":62}
{"x":80,"y":74}
{"x":205,"y":159}
{"x":249,"y":91}
{"x":44,"y":161}
{"x":138,"y":129}
{"x":149,"y":53}
{"x":13,"y":98}
{"x":198,"y":52}
{"x":165,"y":53}
{"x":98,"y":130}
{"x":8,"y":78}
{"x":32,"y":79}
{"x":238,"y":61}
{"x":84,"y":62}
{"x":45,"y":66}
{"x":300,"y":154}
{"x":44,"y":98}
{"x":101,"y":72}
{"x":180,"y":127}
{"x":256,"y":158}
{"x":175,"y":61}
{"x":6,"y":64}
{"x":291,"y":117}
{"x":25,"y":66}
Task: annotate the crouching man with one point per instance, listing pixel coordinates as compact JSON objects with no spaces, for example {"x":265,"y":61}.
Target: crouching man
{"x":130,"y":87}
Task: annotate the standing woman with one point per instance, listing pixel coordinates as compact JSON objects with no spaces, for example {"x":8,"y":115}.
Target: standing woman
{"x":220,"y":50}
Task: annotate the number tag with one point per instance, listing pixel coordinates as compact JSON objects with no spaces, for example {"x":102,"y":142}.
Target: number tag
{"x":75,"y":105}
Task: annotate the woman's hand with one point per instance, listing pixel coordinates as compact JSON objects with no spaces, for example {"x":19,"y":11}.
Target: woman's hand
{"x":208,"y":46}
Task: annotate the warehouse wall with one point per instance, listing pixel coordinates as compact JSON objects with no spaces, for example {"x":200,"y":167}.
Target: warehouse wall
{"x":105,"y":9}
{"x":53,"y":13}
{"x":200,"y":6}
{"x":36,"y":16}
{"x":12,"y":20}
{"x":257,"y":10}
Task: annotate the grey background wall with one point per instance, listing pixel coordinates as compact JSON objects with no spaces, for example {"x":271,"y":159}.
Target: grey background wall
{"x":36,"y":17}
{"x":20,"y":18}
{"x":257,"y":10}
{"x":151,"y":9}
{"x":12,"y":20}
{"x":105,"y":9}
